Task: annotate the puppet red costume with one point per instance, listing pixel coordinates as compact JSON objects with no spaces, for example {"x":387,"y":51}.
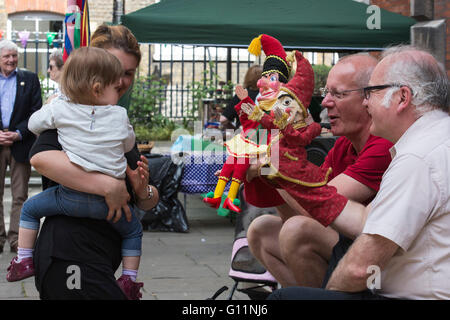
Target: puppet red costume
{"x":289,"y":167}
{"x":252,"y":141}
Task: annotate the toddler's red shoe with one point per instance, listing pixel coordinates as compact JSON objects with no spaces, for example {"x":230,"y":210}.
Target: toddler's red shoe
{"x":130,"y":288}
{"x":20,"y":270}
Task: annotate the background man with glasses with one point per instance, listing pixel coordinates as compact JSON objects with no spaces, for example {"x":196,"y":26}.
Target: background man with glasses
{"x":404,"y":232}
{"x":298,"y":250}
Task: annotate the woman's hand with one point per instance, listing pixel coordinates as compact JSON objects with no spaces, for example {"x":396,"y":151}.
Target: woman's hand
{"x":56,"y":166}
{"x":116,"y":198}
{"x":139,"y":177}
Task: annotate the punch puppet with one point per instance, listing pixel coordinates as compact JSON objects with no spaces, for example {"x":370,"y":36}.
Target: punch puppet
{"x":287,"y":163}
{"x":252,"y":142}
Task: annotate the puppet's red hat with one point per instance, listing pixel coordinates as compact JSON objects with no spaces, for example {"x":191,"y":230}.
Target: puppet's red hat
{"x":301,"y":86}
{"x":275,"y":56}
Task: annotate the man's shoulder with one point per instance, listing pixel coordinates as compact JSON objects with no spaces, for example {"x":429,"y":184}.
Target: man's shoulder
{"x":25,"y":73}
{"x":427,"y":139}
{"x":378,"y":144}
{"x":341,"y":145}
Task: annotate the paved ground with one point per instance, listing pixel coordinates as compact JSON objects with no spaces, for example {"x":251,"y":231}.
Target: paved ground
{"x":174,"y":266}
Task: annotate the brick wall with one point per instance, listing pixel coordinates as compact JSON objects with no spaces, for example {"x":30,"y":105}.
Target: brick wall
{"x":102,"y":10}
{"x":3,"y":17}
{"x":397,"y":6}
{"x":441,"y":11}
{"x":58,"y":6}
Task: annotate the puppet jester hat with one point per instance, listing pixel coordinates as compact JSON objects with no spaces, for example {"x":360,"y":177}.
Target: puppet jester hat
{"x":301,"y":86}
{"x":275,"y":56}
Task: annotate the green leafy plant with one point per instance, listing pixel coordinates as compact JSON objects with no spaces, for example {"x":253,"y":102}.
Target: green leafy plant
{"x":147,"y":95}
{"x":144,"y":111}
{"x":320,"y":77}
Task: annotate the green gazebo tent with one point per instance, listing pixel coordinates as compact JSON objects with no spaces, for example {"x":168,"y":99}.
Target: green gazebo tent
{"x":337,"y":25}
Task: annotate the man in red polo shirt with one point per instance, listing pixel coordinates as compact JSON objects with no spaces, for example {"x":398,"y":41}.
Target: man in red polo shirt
{"x":296,"y":249}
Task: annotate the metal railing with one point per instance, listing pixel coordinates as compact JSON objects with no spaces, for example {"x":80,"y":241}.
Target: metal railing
{"x":181,"y":66}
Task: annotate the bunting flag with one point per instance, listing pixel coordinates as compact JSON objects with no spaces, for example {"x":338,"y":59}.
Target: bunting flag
{"x":77,"y":32}
{"x":50,"y":37}
{"x":23,"y":36}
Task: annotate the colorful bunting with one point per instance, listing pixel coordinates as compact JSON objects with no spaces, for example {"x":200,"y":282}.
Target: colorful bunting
{"x":77,"y":26}
{"x":50,"y":37}
{"x":23,"y":36}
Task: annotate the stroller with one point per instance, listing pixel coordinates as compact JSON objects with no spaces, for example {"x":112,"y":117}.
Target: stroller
{"x":245,"y":268}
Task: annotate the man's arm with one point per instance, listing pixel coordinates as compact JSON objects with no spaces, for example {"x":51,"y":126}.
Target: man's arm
{"x":34,"y":104}
{"x":351,"y":188}
{"x":351,"y":220}
{"x":352,"y":271}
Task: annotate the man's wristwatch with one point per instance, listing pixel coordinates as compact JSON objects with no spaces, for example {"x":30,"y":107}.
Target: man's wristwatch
{"x":149,"y":192}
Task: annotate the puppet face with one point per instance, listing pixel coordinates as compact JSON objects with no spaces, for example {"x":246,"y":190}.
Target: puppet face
{"x":269,"y":86}
{"x":287,"y":103}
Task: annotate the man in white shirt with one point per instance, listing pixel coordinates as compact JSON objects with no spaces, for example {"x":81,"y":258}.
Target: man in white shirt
{"x":405,"y":231}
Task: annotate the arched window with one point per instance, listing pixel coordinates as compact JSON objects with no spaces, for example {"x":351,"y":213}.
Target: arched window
{"x":35,"y":50}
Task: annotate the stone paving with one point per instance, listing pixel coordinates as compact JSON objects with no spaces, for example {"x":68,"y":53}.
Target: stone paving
{"x":174,"y":266}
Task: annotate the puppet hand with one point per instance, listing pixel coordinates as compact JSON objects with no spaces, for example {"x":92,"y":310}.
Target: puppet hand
{"x":247,"y":108}
{"x":241,"y":92}
{"x":309,"y":119}
{"x":278,"y":112}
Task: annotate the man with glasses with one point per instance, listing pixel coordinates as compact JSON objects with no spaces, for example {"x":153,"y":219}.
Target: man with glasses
{"x":298,"y":250}
{"x":403,"y":246}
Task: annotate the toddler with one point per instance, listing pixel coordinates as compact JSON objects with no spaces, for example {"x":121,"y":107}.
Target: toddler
{"x":95,"y":134}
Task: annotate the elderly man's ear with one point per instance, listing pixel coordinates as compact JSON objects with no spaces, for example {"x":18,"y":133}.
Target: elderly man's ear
{"x":405,"y":96}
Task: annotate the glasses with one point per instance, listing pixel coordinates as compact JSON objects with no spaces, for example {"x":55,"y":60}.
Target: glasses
{"x":336,"y":94}
{"x":368,"y":90}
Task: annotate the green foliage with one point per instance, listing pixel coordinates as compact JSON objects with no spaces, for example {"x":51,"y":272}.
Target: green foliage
{"x":208,"y":87}
{"x":146,"y":96}
{"x":145,"y":117}
{"x":46,"y":90}
{"x":320,"y":77}
{"x":160,"y":132}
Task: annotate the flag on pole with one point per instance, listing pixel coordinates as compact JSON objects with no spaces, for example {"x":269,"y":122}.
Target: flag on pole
{"x":77,"y":32}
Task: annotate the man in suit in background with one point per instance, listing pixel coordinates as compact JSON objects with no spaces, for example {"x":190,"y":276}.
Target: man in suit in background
{"x":20,"y":96}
